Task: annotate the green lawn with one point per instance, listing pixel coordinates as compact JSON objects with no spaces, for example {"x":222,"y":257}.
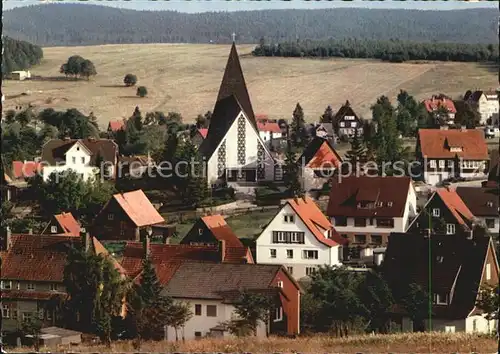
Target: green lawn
{"x":249,"y":225}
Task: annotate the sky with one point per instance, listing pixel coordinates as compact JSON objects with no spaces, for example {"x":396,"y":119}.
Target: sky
{"x":195,"y":6}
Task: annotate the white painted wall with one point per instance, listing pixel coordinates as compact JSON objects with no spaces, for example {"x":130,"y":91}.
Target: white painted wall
{"x":410,"y":207}
{"x":310,"y":181}
{"x":488,"y":109}
{"x":399,"y":226}
{"x":203,"y":323}
{"x":326,"y":255}
{"x":472,"y":324}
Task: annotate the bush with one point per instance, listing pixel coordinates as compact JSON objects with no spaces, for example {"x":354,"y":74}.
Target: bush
{"x":130,"y":80}
{"x":269,"y":196}
{"x":142,"y":91}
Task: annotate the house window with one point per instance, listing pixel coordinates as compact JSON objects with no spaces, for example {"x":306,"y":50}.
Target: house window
{"x":488,"y":271}
{"x":441,"y":299}
{"x":378,"y":204}
{"x":289,"y":253}
{"x":6,"y":284}
{"x":14,"y":314}
{"x":389,"y":204}
{"x":474,"y":325}
{"x":295,"y":237}
{"x":27,"y":316}
{"x":73,"y":160}
{"x":83,"y":160}
{"x":289,"y":219}
{"x":449,"y":329}
{"x":489,"y":204}
{"x":440,"y":259}
{"x":211,"y":310}
{"x":111,"y":216}
{"x":197,"y":335}
{"x":450,"y":229}
{"x":278,"y":315}
{"x":441,"y":163}
{"x":310,"y":271}
{"x":290,"y":270}
{"x":450,"y":163}
{"x":376,"y":239}
{"x":288,"y":237}
{"x":490,"y":223}
{"x":280,"y":284}
{"x":5,"y":311}
{"x":197,"y":309}
{"x":387,"y":223}
{"x":30,"y":286}
{"x":340,"y":221}
{"x":436,"y":212}
{"x":342,"y":124}
{"x":200,"y":232}
{"x":360,"y":222}
{"x":432,"y":163}
{"x":53,"y":287}
{"x":359,"y":238}
{"x":309,"y":254}
{"x":53,"y":229}
{"x":272,"y":253}
{"x":48,"y":315}
{"x":281,"y":236}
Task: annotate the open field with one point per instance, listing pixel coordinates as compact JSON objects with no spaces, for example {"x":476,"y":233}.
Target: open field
{"x":186,"y":78}
{"x":396,"y":343}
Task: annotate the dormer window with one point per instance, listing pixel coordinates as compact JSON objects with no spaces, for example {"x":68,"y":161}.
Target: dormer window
{"x":489,"y":204}
{"x":441,"y":299}
{"x":389,"y":204}
{"x":379,"y":204}
{"x":53,"y":229}
{"x":456,"y":149}
{"x":111,"y":216}
{"x":440,"y":259}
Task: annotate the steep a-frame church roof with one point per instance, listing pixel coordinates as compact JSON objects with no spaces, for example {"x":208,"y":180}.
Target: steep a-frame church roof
{"x":232,"y":99}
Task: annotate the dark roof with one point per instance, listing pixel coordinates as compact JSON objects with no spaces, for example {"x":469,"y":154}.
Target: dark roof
{"x":476,"y":95}
{"x":406,"y":261}
{"x":346,"y":110}
{"x":210,"y":281}
{"x":55,"y":149}
{"x":233,"y":83}
{"x":480,"y":201}
{"x":347,"y":192}
{"x":225,"y":112}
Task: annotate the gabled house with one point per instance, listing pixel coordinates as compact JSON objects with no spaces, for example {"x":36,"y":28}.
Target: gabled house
{"x":325,"y":131}
{"x":441,"y":108}
{"x":486,"y":103}
{"x":268,"y":130}
{"x":366,"y":209}
{"x":233,"y":148}
{"x":318,"y":163}
{"x":452,"y":269}
{"x":483,"y":204}
{"x":128,"y":216}
{"x":16,"y":180}
{"x":213,"y":289}
{"x":452,"y":153}
{"x":63,"y":224}
{"x":213,"y":230}
{"x":444,"y":213}
{"x":32,"y":275}
{"x":348,"y":121}
{"x":80,"y":155}
{"x":301,"y":238}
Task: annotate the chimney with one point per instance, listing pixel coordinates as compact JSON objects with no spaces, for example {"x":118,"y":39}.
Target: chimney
{"x":222,"y":250}
{"x":146,"y":243}
{"x":86,"y":240}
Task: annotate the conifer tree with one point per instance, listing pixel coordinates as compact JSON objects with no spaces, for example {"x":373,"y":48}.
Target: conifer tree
{"x":327,"y":117}
{"x":357,"y":154}
{"x":298,"y":129}
{"x":291,"y":175}
{"x":137,"y":119}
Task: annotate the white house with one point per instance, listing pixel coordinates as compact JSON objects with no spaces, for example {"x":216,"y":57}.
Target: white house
{"x":486,"y":103}
{"x":301,"y":238}
{"x":233,"y":149}
{"x":20,"y":75}
{"x":80,"y":156}
{"x":366,"y":209}
{"x":268,"y":130}
{"x":450,"y":153}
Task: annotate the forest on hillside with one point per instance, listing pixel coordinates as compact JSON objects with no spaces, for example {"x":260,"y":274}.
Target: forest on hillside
{"x":393,"y":51}
{"x":83,"y":24}
{"x":19,"y":55}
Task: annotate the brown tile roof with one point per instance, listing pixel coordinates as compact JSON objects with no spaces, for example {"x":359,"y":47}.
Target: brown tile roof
{"x":25,"y":169}
{"x":314,"y":219}
{"x":456,"y":205}
{"x":221,"y":230}
{"x":346,"y":110}
{"x":31,"y":295}
{"x":348,"y":192}
{"x":434,"y":103}
{"x":41,"y":257}
{"x":436,"y":143}
{"x":480,"y":201}
{"x":138,"y":208}
{"x":68,"y":223}
{"x":54,"y":150}
{"x":319,"y":153}
{"x":209,"y":280}
{"x":460,"y":269}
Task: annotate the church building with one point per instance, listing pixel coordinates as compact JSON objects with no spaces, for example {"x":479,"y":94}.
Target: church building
{"x":233,"y":150}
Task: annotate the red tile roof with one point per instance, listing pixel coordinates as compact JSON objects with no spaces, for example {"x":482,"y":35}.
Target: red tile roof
{"x":138,"y":208}
{"x":315,"y":221}
{"x":203,"y":132}
{"x":221,"y":230}
{"x":68,"y":223}
{"x":25,"y":169}
{"x":455,"y":204}
{"x":434,"y":103}
{"x":325,"y":157}
{"x":42,"y":257}
{"x":436,"y":143}
{"x":268,"y":127}
{"x":115,"y":125}
{"x":347,"y":192}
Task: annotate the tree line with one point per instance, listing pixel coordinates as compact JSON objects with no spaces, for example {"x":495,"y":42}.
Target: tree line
{"x":19,"y":55}
{"x":393,"y":51}
{"x":79,"y":24}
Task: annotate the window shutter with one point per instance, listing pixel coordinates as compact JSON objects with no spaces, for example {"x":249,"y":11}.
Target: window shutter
{"x":301,"y":237}
{"x":275,"y":237}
